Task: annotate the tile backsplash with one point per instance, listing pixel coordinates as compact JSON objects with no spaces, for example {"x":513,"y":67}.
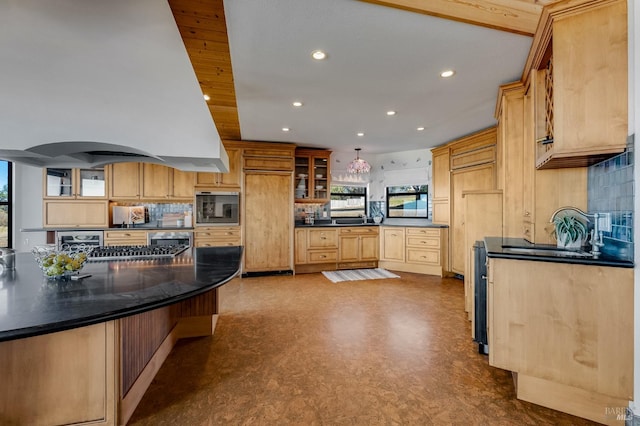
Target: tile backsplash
{"x":611,"y":189}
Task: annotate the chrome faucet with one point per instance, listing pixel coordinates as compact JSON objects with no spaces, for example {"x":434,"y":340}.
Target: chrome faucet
{"x":596,"y":237}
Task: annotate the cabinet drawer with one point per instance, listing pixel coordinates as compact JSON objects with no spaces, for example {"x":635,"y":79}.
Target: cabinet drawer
{"x":323,"y":256}
{"x":323,"y":238}
{"x":138,"y":235}
{"x":362,"y":230}
{"x":427,"y":232}
{"x":214,"y":243}
{"x":424,"y":242}
{"x":431,"y":257}
{"x":125,"y":242}
{"x":226,"y":233}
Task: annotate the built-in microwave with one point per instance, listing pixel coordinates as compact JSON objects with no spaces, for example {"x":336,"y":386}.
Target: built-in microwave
{"x":217,"y":208}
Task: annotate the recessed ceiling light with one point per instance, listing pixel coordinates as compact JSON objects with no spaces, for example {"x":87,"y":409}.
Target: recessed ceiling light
{"x":391,"y":113}
{"x":285,"y":129}
{"x":360,"y":134}
{"x":420,"y":129}
{"x":297,"y":104}
{"x":318,"y":55}
{"x":447,"y":73}
{"x":207,"y":97}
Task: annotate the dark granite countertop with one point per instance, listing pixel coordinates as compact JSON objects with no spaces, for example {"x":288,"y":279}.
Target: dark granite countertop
{"x":508,"y":248}
{"x":407,"y":223}
{"x":31,"y":305}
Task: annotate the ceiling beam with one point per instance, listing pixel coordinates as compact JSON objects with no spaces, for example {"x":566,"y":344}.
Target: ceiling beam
{"x":515,"y":16}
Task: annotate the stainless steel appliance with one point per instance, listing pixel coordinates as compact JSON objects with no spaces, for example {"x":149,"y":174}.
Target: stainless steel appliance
{"x":480,"y":297}
{"x":170,"y":238}
{"x":217,"y":208}
{"x":136,"y":252}
{"x":73,"y":238}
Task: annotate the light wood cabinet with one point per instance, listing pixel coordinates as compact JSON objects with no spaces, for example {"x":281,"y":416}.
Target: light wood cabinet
{"x":483,"y":218}
{"x":232,"y":179}
{"x":358,"y":247}
{"x":267,"y":207}
{"x":392,"y":244}
{"x":125,"y":237}
{"x":414,"y":249}
{"x":162,"y":182}
{"x":150,"y":181}
{"x":474,"y":178}
{"x":75,"y":184}
{"x":441,"y":186}
{"x":566,"y":330}
{"x":580,"y":55}
{"x":314,"y":166}
{"x":510,"y":176}
{"x":217,"y":236}
{"x":125,"y":181}
{"x":78,"y":214}
{"x":316,"y":249}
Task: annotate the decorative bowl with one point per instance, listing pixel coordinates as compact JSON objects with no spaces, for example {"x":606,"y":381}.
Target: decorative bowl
{"x":319,"y":176}
{"x":319,"y":187}
{"x":60,"y":263}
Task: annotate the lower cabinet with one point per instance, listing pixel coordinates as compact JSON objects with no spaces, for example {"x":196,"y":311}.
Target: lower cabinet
{"x":566,"y":330}
{"x":358,"y":247}
{"x":125,"y":238}
{"x":327,"y":248}
{"x":66,"y":214}
{"x":217,"y":236}
{"x":414,"y":249}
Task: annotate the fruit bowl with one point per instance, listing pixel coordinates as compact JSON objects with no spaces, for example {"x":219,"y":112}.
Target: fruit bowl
{"x":60,"y":263}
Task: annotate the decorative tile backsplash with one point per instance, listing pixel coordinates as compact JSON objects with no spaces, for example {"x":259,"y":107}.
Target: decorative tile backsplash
{"x":611,"y":189}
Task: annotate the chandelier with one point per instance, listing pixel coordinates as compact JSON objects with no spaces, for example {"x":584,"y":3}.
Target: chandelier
{"x":358,"y":165}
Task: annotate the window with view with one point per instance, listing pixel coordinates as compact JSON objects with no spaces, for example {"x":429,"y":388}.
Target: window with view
{"x":348,"y":201}
{"x":408,"y":201}
{"x":5,"y":204}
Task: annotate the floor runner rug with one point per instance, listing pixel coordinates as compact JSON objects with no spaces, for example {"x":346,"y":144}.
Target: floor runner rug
{"x":358,"y":274}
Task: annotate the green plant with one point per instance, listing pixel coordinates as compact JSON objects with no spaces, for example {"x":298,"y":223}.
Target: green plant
{"x":569,"y":229}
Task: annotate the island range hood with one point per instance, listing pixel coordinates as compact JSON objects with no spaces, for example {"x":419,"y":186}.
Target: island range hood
{"x":85,"y":83}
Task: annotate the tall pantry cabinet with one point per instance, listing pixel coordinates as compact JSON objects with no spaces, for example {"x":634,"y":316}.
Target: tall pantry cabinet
{"x":267,"y":200}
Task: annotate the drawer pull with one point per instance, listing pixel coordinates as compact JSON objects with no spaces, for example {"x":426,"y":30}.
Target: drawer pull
{"x":323,"y":256}
{"x":323,"y":238}
{"x":228,"y":233}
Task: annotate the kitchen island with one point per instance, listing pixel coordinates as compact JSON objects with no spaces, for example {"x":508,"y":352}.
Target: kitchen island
{"x":85,"y":351}
{"x":563,"y":325}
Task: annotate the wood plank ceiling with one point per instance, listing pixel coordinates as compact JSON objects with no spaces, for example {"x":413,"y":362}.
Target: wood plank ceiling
{"x":203,"y":29}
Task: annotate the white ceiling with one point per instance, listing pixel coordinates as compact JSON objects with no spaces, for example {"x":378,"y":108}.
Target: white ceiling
{"x":379,"y":59}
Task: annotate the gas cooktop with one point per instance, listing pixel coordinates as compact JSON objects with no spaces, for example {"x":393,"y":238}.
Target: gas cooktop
{"x":136,"y":252}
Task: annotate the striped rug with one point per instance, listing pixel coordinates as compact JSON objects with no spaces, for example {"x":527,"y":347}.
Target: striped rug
{"x":358,"y":274}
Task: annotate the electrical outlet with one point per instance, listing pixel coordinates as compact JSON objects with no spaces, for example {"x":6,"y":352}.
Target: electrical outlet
{"x":604,"y":222}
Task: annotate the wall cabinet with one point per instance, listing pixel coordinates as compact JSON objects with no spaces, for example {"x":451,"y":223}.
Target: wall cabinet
{"x":229,"y":180}
{"x":566,"y":330}
{"x":217,"y":236}
{"x":75,"y":184}
{"x":75,"y":214}
{"x":312,"y":176}
{"x":358,"y":247}
{"x":441,"y":187}
{"x":580,"y":55}
{"x":150,"y":181}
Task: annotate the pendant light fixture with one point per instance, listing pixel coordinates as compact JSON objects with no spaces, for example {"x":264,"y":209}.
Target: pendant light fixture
{"x":358,"y":165}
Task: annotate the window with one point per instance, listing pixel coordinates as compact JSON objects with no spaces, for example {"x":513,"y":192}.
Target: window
{"x":348,"y":201}
{"x":5,"y":204}
{"x":407,"y":201}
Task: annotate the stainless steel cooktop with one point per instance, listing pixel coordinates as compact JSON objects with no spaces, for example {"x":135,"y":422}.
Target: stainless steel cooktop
{"x":136,"y":252}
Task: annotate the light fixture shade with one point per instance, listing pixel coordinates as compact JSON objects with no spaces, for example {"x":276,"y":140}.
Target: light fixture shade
{"x":358,"y":165}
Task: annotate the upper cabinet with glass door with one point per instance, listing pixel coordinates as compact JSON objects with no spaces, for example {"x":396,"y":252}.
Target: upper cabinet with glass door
{"x":312,"y":175}
{"x":75,"y":183}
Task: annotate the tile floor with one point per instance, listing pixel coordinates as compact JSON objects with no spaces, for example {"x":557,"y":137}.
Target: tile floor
{"x":301,"y":350}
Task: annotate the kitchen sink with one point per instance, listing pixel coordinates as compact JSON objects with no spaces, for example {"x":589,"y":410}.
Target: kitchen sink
{"x":542,"y":251}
